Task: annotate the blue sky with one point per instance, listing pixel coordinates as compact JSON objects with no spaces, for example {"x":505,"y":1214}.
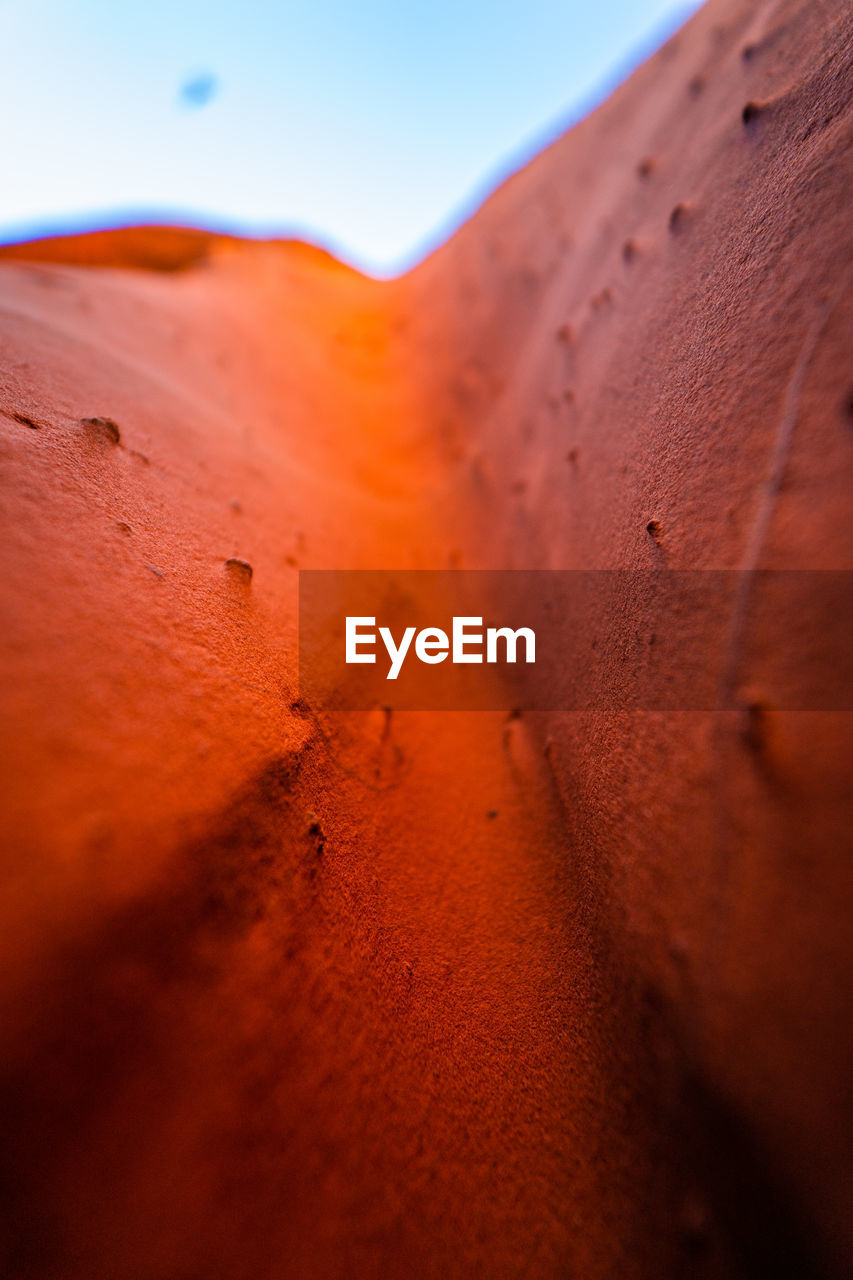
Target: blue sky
{"x":369,"y":126}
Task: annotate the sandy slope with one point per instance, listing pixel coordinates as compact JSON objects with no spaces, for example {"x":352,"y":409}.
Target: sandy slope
{"x":279,"y":997}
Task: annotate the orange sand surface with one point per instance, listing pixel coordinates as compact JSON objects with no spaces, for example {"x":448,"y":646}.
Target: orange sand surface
{"x":287,"y":993}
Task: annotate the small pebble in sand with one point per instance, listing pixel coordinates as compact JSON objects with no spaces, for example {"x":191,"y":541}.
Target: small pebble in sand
{"x":239,"y":569}
{"x":102,"y":429}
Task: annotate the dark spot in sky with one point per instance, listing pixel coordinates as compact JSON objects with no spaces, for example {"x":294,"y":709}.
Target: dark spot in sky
{"x":198,"y":91}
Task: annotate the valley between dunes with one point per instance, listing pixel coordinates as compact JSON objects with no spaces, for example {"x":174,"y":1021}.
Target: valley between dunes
{"x":293,"y":993}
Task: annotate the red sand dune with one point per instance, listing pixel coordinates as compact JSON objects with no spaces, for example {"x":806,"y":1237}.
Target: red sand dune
{"x":278,"y":997}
